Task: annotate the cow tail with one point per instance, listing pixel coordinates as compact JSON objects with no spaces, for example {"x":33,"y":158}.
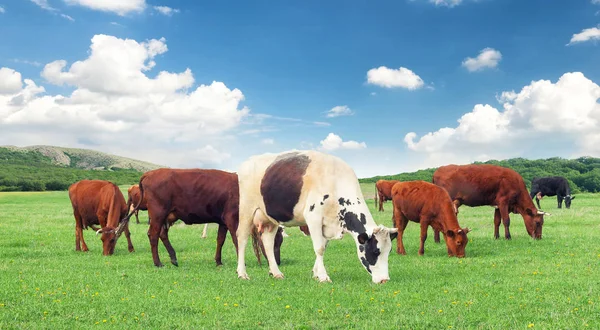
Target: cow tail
{"x":376,"y":194}
{"x":137,"y":207}
{"x":255,"y":244}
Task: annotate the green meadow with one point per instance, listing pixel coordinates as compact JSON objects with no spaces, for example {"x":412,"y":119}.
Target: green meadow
{"x":553,"y":283}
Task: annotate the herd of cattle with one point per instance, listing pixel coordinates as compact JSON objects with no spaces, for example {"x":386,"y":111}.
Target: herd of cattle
{"x":316,"y":191}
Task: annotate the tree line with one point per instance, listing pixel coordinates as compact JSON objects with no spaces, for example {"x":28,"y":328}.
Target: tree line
{"x":582,"y":173}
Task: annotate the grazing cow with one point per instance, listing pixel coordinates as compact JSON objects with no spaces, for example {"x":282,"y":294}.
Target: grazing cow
{"x":194,"y":196}
{"x":500,"y":187}
{"x":133,"y":199}
{"x":429,"y":205}
{"x":315,"y":189}
{"x":552,"y":186}
{"x":98,"y":202}
{"x":383,"y":190}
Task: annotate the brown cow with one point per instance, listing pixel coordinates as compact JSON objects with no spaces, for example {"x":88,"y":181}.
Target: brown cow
{"x":500,"y":187}
{"x":383,"y":190}
{"x":133,"y":199}
{"x":194,"y":196}
{"x":98,"y":202}
{"x":429,"y":205}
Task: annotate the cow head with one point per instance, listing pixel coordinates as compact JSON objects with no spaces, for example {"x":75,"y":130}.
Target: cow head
{"x":373,"y":251}
{"x":568,"y":200}
{"x":534,"y":220}
{"x":109,"y":240}
{"x":456,"y":241}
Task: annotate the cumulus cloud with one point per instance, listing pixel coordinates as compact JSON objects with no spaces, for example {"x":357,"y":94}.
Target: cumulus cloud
{"x":118,"y":104}
{"x":340,"y":110}
{"x":167,"y":11}
{"x":2,"y":10}
{"x":390,"y":78}
{"x":591,"y":34}
{"x":44,"y":5}
{"x":119,"y":7}
{"x":446,"y":3}
{"x":567,"y":110}
{"x":334,"y":142}
{"x":487,"y":58}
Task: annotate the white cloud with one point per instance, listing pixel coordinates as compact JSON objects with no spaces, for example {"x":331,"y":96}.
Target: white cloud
{"x":10,"y":81}
{"x":268,"y":141}
{"x":34,"y":63}
{"x":67,"y":17}
{"x":119,"y":7}
{"x":334,"y":142}
{"x":116,"y":106}
{"x":591,"y":34}
{"x":389,"y":78}
{"x":487,"y":58}
{"x":340,"y":110}
{"x":596,"y":2}
{"x":44,"y":5}
{"x":373,"y":94}
{"x":446,"y":3}
{"x":567,"y":111}
{"x":167,"y":11}
{"x":2,"y":10}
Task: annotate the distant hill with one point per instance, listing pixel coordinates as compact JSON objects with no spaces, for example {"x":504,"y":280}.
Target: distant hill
{"x":582,"y":173}
{"x":39,"y":168}
{"x":85,"y":159}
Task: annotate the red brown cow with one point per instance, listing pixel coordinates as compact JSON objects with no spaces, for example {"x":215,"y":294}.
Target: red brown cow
{"x":500,"y":187}
{"x":133,"y":199}
{"x":384,"y":191}
{"x":97,"y":202}
{"x":194,"y":196}
{"x":429,"y":205}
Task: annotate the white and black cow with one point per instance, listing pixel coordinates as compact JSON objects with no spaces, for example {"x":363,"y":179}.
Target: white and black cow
{"x":552,"y":186}
{"x":311,"y":188}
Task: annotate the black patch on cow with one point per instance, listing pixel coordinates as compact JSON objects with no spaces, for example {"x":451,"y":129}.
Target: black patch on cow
{"x":363,"y":219}
{"x":325,"y":197}
{"x":312,"y":207}
{"x":351,"y":222}
{"x":343,"y":201}
{"x":361,"y":248}
{"x":372,"y":252}
{"x":358,"y":200}
{"x":281,"y":185}
{"x":366,"y":264}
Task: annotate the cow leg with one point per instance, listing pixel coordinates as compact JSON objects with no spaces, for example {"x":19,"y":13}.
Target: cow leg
{"x":424,"y":225}
{"x":221,"y":236}
{"x":128,"y":236}
{"x":505,"y":220}
{"x":164,"y":237}
{"x":537,"y":200}
{"x":400,"y":221}
{"x":456,"y":204}
{"x":315,"y":226}
{"x":244,"y":230}
{"x":380,"y":203}
{"x":153,"y":234}
{"x":205,"y":229}
{"x":497,"y":220}
{"x":79,"y":233}
{"x":560,"y":200}
{"x":137,"y":219}
{"x":268,"y":240}
{"x":436,"y":235}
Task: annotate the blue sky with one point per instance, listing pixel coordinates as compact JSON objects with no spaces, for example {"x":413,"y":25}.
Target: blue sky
{"x":293,"y":62}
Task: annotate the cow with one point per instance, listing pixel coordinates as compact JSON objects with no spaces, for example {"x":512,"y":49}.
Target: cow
{"x":496,"y":186}
{"x":98,"y":202}
{"x":133,"y":199}
{"x":429,"y":205}
{"x":194,"y":196}
{"x":296,"y":188}
{"x":383,"y":190}
{"x":552,"y":186}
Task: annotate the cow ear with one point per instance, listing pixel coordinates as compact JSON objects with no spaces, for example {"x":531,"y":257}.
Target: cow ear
{"x":450,"y":233}
{"x":363,"y":238}
{"x":573,"y":197}
{"x":393,"y":235}
{"x":530,"y":212}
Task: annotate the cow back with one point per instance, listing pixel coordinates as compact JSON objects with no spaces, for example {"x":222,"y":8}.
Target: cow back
{"x":98,"y":202}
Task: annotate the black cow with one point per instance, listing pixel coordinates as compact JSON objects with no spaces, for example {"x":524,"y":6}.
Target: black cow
{"x":552,"y":186}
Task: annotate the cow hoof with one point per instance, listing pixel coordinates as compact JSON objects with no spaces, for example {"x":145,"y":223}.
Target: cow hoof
{"x":131,"y":250}
{"x":174,"y":262}
{"x":243,"y":276}
{"x":159,"y":265}
{"x":324,"y":279}
{"x":277,"y":276}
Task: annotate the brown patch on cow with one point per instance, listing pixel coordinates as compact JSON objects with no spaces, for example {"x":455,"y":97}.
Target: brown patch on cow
{"x":281,"y":185}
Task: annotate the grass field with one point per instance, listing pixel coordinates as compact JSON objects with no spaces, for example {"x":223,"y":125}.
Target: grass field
{"x":552,"y":284}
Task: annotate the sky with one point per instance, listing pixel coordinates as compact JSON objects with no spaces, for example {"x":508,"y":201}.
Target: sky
{"x":388,"y":86}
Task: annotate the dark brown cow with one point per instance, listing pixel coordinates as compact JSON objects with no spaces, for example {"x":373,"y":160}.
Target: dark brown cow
{"x":97,"y":202}
{"x":429,"y":205}
{"x":383,"y":190}
{"x":194,"y":196}
{"x":500,"y":187}
{"x":133,"y":199}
